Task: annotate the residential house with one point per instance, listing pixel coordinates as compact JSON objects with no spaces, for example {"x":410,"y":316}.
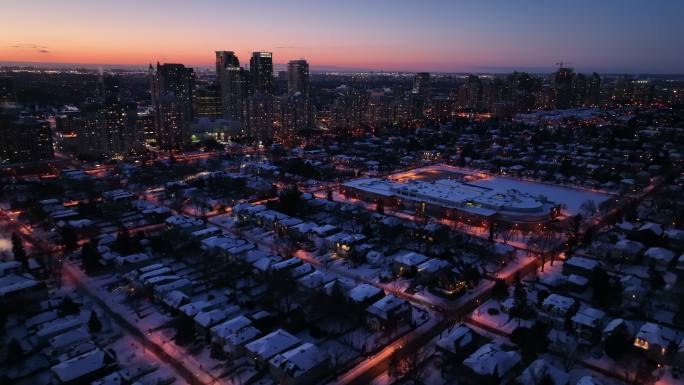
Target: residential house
{"x":388,"y":312}
{"x":581,"y":266}
{"x":303,"y":365}
{"x":659,"y":257}
{"x":406,"y":263}
{"x":365,"y":294}
{"x":85,"y":368}
{"x":263,"y":349}
{"x":491,"y":361}
{"x":554,"y":309}
{"x":588,"y":322}
{"x":540,"y":369}
{"x":457,"y":344}
{"x":654,"y":339}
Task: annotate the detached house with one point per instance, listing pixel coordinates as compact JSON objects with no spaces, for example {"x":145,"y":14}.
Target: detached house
{"x":387,"y":312}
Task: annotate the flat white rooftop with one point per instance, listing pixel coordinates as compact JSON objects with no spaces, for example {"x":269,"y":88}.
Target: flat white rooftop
{"x":476,"y":192}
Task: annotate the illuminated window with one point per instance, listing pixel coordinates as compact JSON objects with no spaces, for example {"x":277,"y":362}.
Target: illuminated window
{"x":643,"y":344}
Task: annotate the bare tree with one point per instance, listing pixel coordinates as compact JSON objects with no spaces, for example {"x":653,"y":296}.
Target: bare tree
{"x":505,"y":232}
{"x":408,"y":364}
{"x":570,"y":353}
{"x":588,"y":207}
{"x":544,"y":243}
{"x":335,"y":358}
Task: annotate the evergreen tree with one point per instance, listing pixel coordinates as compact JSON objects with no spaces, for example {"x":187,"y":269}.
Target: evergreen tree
{"x":68,"y":307}
{"x":500,"y":289}
{"x":94,"y":324}
{"x":185,"y":330}
{"x":380,"y":207}
{"x":617,"y":344}
{"x":14,"y":352}
{"x":18,"y":249}
{"x":90,"y":258}
{"x":520,"y":306}
{"x":69,"y":238}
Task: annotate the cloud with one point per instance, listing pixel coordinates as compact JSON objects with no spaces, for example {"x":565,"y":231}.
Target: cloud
{"x":288,"y":47}
{"x":30,"y":46}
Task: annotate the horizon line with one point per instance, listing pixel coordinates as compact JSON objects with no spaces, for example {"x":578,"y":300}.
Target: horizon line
{"x":328,"y":68}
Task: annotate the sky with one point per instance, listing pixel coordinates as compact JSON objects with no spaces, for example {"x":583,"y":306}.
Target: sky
{"x":614,"y":36}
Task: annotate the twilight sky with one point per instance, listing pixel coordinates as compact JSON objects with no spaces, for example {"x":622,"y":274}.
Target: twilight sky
{"x":644,"y":36}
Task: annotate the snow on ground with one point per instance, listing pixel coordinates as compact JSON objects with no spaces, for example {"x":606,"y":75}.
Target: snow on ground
{"x":501,"y":321}
{"x":667,"y":378}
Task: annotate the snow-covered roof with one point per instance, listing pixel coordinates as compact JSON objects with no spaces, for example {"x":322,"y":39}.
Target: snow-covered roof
{"x":559,"y":302}
{"x":175,"y":285}
{"x":490,"y":359}
{"x":242,"y":336}
{"x":577,"y":280}
{"x":231,"y":326}
{"x":458,"y":338}
{"x":300,"y":360}
{"x":175,"y":298}
{"x":316,"y":279}
{"x":659,"y":254}
{"x":302,"y":270}
{"x":9,"y":265}
{"x":541,"y":368}
{"x":80,"y":366}
{"x":68,"y":338}
{"x":582,"y":262}
{"x":213,"y":317}
{"x":675,"y":234}
{"x":263,"y":264}
{"x":628,"y":245}
{"x":410,"y":258}
{"x":589,"y":317}
{"x":193,"y":308}
{"x":386,"y":305}
{"x":132,"y":258}
{"x":653,"y":227}
{"x":432,"y":266}
{"x":286,"y":264}
{"x":13,"y":283}
{"x":57,"y":326}
{"x":363,"y":292}
{"x":271,"y":344}
{"x":655,"y":334}
{"x":323,"y":230}
{"x":615,"y":323}
{"x":589,"y":380}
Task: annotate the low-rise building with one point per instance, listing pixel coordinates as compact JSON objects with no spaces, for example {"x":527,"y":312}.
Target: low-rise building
{"x":580,"y":266}
{"x":491,"y":361}
{"x":458,"y":344}
{"x":84,"y":368}
{"x":406,"y":263}
{"x":303,"y":365}
{"x":388,"y":312}
{"x":266,"y":347}
{"x":654,"y":339}
{"x":588,"y":322}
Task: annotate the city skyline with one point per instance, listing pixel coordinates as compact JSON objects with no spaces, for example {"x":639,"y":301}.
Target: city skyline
{"x":610,"y":37}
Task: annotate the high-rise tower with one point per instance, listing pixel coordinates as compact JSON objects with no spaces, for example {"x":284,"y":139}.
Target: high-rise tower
{"x":261,"y":72}
{"x":172,"y":100}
